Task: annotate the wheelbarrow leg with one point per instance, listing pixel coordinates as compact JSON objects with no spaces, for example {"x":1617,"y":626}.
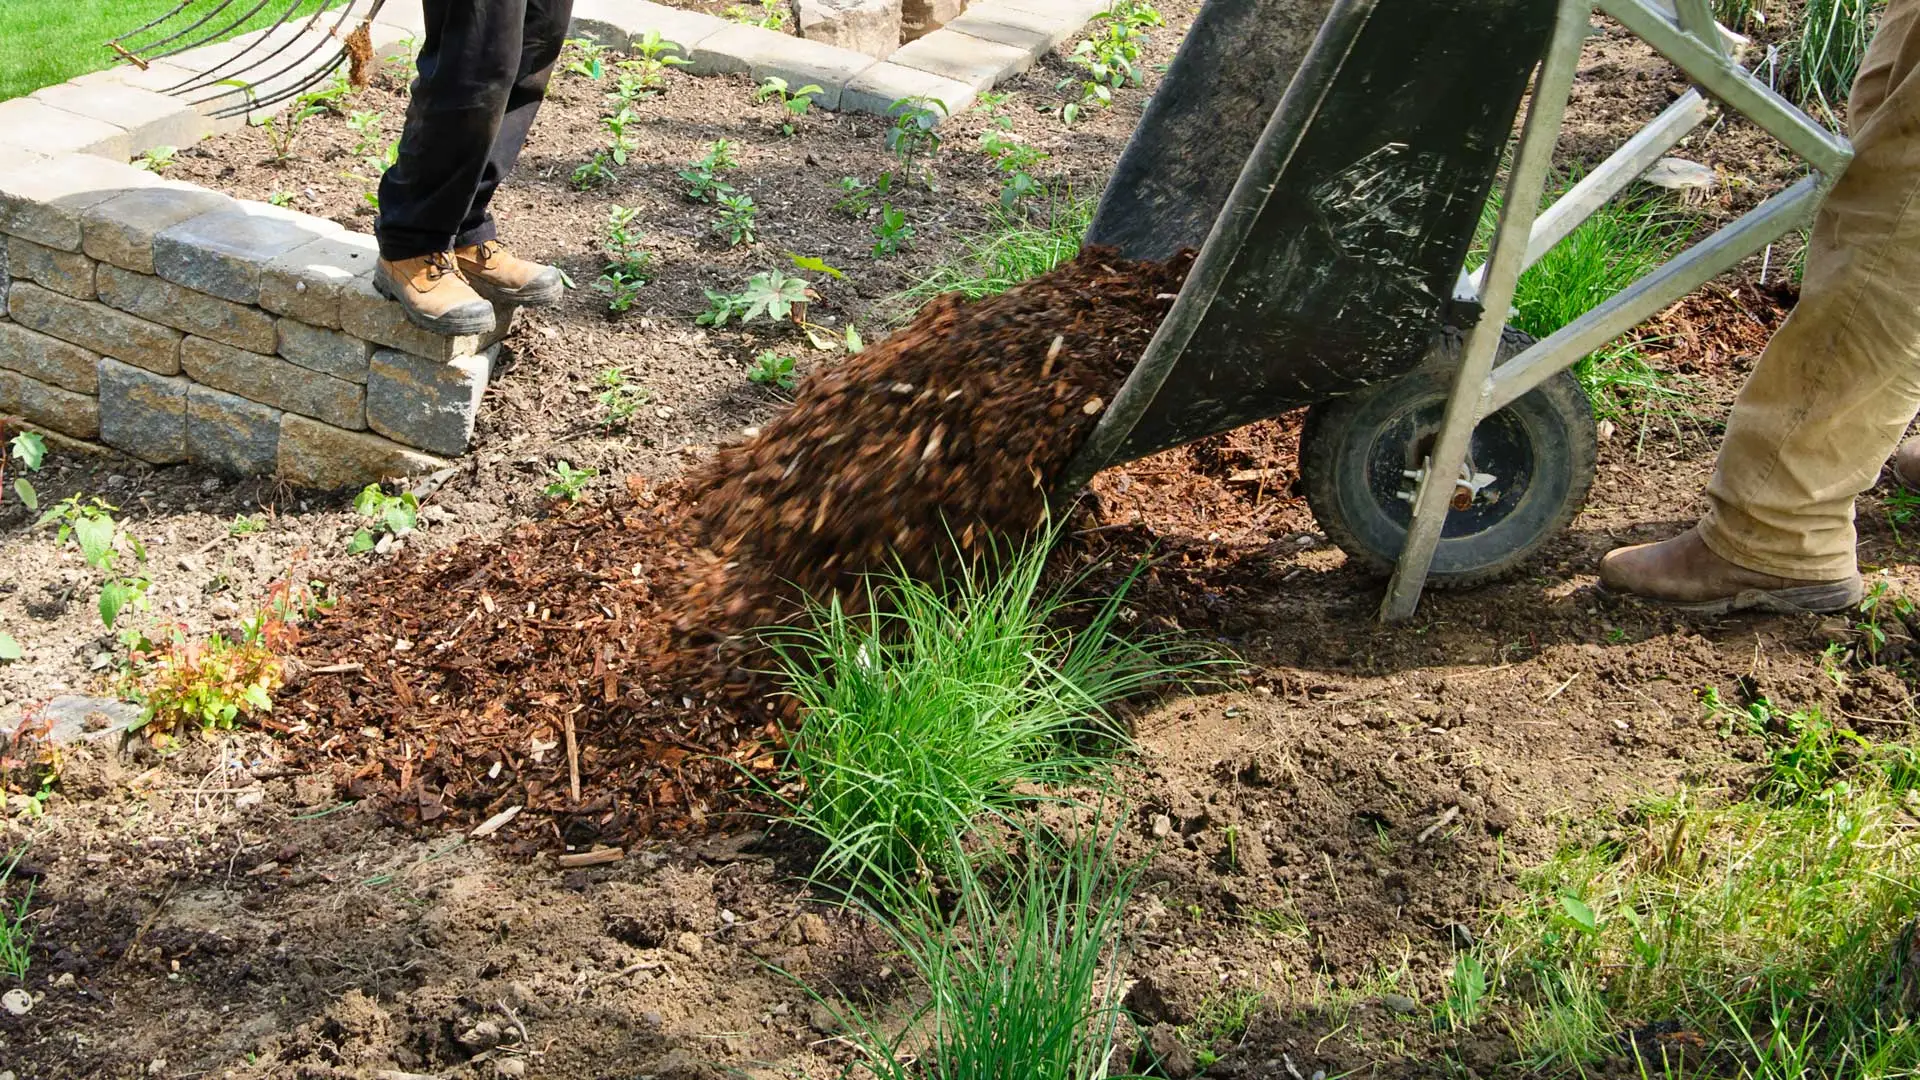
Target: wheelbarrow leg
{"x":1519,"y":207}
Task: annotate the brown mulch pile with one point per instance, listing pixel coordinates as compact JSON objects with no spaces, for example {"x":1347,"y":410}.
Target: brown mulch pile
{"x":1719,"y":327}
{"x":583,"y":668}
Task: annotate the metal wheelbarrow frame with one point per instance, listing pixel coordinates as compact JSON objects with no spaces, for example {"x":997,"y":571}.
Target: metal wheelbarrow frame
{"x":1685,"y":33}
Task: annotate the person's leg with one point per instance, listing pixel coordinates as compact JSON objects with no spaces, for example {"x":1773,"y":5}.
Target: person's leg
{"x":1836,"y":386}
{"x":493,"y":269}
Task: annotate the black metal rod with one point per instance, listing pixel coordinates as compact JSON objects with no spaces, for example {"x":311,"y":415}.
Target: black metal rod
{"x":1278,"y":141}
{"x":312,"y":24}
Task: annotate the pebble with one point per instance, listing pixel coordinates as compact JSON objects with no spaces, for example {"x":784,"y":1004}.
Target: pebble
{"x":728,"y":917}
{"x":484,"y":1035}
{"x":17,"y":1002}
{"x":689,"y":943}
{"x":813,"y":929}
{"x":249,"y":799}
{"x":1162,"y":826}
{"x":1399,"y":1004}
{"x":510,"y":1067}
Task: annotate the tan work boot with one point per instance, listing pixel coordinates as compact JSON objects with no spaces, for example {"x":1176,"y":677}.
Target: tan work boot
{"x":1906,"y":464}
{"x":505,"y":278}
{"x":434,"y":295}
{"x":1685,"y":573}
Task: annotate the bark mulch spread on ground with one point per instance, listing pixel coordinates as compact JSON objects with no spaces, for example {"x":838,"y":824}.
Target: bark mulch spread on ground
{"x":585,"y":668}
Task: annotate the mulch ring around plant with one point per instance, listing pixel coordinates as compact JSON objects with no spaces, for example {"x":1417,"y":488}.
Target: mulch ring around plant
{"x":594,"y":669}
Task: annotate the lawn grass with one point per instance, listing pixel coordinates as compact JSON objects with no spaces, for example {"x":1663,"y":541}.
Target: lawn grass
{"x":47,"y":42}
{"x":1777,"y":929}
{"x":1024,"y":242}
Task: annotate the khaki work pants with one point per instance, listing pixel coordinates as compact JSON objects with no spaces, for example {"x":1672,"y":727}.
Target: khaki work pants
{"x":1840,"y":382}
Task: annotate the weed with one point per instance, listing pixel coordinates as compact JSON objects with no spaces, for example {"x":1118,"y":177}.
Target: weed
{"x":795,"y":102}
{"x":721,"y":308}
{"x":210,"y":685}
{"x":244,"y":525}
{"x":772,"y":369}
{"x":737,"y":219}
{"x":568,"y":482}
{"x":157,"y":160}
{"x":1466,"y":996}
{"x":1015,"y":160}
{"x":703,"y":176}
{"x":1738,"y":15}
{"x":619,"y":399}
{"x":586,"y":58}
{"x":365,"y":126}
{"x":914,"y":136}
{"x":280,"y":198}
{"x":89,"y":524}
{"x":16,"y":937}
{"x":1016,"y":248}
{"x":594,"y":173}
{"x":283,"y":130}
{"x":1220,"y":1018}
{"x":1109,"y":59}
{"x":939,"y":705}
{"x":28,"y":448}
{"x":388,"y":515}
{"x":1025,"y":987}
{"x":857,"y":197}
{"x":1278,"y":921}
{"x":890,"y":231}
{"x":1901,"y":507}
{"x":771,"y":14}
{"x":1825,"y":53}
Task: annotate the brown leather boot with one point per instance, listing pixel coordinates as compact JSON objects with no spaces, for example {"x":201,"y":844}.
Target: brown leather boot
{"x":505,"y":278}
{"x":1906,"y":464}
{"x":434,"y":295}
{"x":1685,"y":573}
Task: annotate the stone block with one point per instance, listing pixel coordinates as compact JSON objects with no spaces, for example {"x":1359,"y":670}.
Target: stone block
{"x":273,"y":381}
{"x":41,"y":199}
{"x":864,"y":26}
{"x":232,"y":434}
{"x":98,"y":328}
{"x":877,"y":88}
{"x":142,"y":413}
{"x":26,"y":124}
{"x":183,"y":309}
{"x":6,"y":281}
{"x":979,"y":63}
{"x":425,"y":403}
{"x":314,"y":455}
{"x":1038,"y":32}
{"x":66,"y":272}
{"x":919,"y":18}
{"x":307,"y":282}
{"x":619,"y":22}
{"x":297,"y":54}
{"x":407,"y":16}
{"x":48,"y":359}
{"x":205,"y":97}
{"x":1080,"y":11}
{"x":763,"y":54}
{"x":150,"y":119}
{"x":121,"y":230}
{"x":49,"y":406}
{"x":364,"y":313}
{"x":327,"y":351}
{"x":223,"y":253}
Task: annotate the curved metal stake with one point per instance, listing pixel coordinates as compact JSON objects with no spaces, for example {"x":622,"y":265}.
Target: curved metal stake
{"x":1518,"y":208}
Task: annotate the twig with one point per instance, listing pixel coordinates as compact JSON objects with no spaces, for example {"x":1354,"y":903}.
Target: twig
{"x":1555,"y":692}
{"x":596,"y":857}
{"x":337,"y":669}
{"x":573,"y":760}
{"x":1446,"y":819}
{"x":153,"y":917}
{"x":495,"y":823}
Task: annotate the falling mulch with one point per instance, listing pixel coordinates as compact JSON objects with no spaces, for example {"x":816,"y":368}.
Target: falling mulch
{"x":1721,"y":326}
{"x":587,"y":669}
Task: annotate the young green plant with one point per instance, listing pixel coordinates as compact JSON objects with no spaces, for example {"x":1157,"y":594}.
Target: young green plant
{"x":89,"y":524}
{"x":389,"y":517}
{"x":568,"y":483}
{"x":703,"y":176}
{"x":890,"y":231}
{"x":771,"y":369}
{"x":738,"y":218}
{"x":619,"y":399}
{"x":795,"y":103}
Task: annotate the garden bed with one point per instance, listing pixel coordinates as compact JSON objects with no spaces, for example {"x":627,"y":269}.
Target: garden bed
{"x":1326,"y":834}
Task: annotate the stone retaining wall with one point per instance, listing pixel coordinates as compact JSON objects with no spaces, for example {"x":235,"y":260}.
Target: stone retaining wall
{"x":178,"y":324}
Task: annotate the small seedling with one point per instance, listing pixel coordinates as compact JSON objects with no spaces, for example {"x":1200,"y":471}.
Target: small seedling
{"x":892,"y":231}
{"x":721,"y":307}
{"x":616,"y":125}
{"x":207,"y":684}
{"x":702,"y":176}
{"x":1466,"y":994}
{"x":858,"y":198}
{"x":594,"y":173}
{"x":284,"y":130}
{"x":587,"y":58}
{"x":1110,"y":58}
{"x":1015,"y":160}
{"x":30,"y":450}
{"x":280,"y":198}
{"x":774,"y":295}
{"x":89,"y":524}
{"x":389,"y":515}
{"x":914,"y":135}
{"x":568,"y":483}
{"x":619,"y":399}
{"x":629,"y":267}
{"x":621,"y":288}
{"x":365,"y":126}
{"x":771,"y":14}
{"x":16,"y":937}
{"x":795,"y":102}
{"x":772,"y":369}
{"x":242,"y":525}
{"x":157,"y":160}
{"x":738,"y":216}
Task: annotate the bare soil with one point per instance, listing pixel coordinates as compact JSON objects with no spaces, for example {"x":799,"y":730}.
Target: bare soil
{"x":1335,"y":826}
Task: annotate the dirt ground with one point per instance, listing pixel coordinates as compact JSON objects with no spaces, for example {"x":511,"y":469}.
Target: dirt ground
{"x":225,"y":908}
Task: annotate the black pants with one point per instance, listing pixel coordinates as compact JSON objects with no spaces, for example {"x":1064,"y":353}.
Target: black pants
{"x":482,"y":72}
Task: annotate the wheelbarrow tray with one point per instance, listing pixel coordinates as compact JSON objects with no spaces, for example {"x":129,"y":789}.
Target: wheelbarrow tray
{"x":1330,"y":161}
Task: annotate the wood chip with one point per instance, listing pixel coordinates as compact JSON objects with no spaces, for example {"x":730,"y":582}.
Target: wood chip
{"x":596,"y":857}
{"x":495,"y":823}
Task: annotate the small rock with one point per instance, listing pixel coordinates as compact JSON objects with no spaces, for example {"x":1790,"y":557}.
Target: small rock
{"x":66,"y":981}
{"x":1176,"y":1061}
{"x":813,"y":929}
{"x":512,"y":1066}
{"x":727,"y":917}
{"x":249,"y":799}
{"x":1399,"y":1004}
{"x":17,"y":1001}
{"x":1679,"y":174}
{"x":1162,"y":826}
{"x":482,"y":1036}
{"x":822,"y":1018}
{"x":689,"y":943}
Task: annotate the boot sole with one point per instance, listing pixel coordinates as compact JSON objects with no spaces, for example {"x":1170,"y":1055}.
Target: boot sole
{"x":452,"y":324}
{"x":1823,"y":599}
{"x":542,"y":291}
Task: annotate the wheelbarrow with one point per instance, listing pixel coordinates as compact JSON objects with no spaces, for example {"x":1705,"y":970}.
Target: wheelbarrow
{"x":1329,"y":160}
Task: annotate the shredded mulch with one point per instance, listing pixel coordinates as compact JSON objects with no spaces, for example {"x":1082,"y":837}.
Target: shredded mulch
{"x":1720,"y":327}
{"x":596,"y":669}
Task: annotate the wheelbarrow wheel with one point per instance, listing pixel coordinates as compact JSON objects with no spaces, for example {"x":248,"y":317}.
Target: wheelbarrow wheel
{"x":1533,"y":463}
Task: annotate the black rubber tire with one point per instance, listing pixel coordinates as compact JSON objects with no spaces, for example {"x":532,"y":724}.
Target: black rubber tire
{"x":1353,"y":447}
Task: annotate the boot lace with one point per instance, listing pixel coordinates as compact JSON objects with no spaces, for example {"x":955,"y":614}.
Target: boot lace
{"x":439,"y":265}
